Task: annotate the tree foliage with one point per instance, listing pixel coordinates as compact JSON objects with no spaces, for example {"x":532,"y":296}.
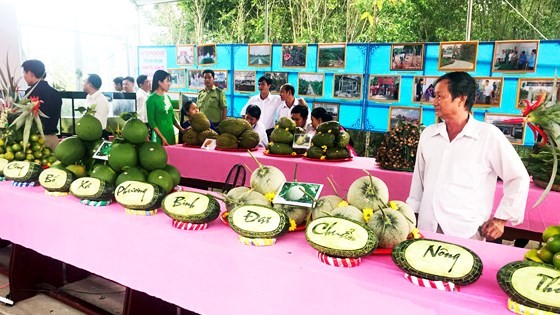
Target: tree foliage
{"x":316,"y":21}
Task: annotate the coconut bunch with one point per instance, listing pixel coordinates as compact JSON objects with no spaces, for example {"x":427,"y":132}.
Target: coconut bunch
{"x":236,"y":133}
{"x":282,"y":137}
{"x":199,"y":131}
{"x":398,"y":148}
{"x":329,"y":142}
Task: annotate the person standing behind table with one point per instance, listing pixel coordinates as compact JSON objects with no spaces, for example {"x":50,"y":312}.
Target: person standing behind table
{"x":457,"y":165}
{"x":118,"y":86}
{"x":253,"y":116}
{"x":161,"y":117}
{"x":532,"y":59}
{"x":288,"y":101}
{"x":92,"y":84}
{"x":128,"y":84}
{"x":212,"y":100}
{"x":144,"y":86}
{"x":188,"y":109}
{"x":267,"y":102}
{"x":34,"y":75}
{"x":300,"y":115}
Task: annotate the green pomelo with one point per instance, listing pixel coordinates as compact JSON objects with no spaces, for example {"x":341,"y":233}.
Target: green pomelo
{"x":162,"y":179}
{"x":174,"y":172}
{"x":89,"y":128}
{"x":152,"y":156}
{"x":77,"y":170}
{"x":135,"y":131}
{"x":122,"y":155}
{"x":70,"y":150}
{"x":104,"y":172}
{"x":132,"y":174}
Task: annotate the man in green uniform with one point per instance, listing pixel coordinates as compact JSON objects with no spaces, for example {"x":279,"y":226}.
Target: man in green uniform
{"x":212,"y":100}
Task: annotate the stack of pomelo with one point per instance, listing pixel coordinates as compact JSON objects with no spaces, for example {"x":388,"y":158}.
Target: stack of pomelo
{"x":130,"y":158}
{"x":550,"y":252}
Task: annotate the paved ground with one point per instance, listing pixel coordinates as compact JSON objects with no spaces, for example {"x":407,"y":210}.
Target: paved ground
{"x":95,"y":290}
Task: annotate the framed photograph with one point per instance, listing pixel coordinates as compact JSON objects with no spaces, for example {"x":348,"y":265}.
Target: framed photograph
{"x":185,"y":55}
{"x":512,"y":126}
{"x":423,"y":89}
{"x":221,"y":79}
{"x":278,"y":79}
{"x":178,"y":78}
{"x":531,"y":89}
{"x":260,"y":55}
{"x":515,"y":56}
{"x":347,"y":86}
{"x":457,"y":56}
{"x":245,"y":81}
{"x":407,"y":56}
{"x":310,"y":84}
{"x":294,"y":55}
{"x":102,"y":152}
{"x":298,"y":194}
{"x":196,"y":79}
{"x":332,"y":108}
{"x":206,"y":54}
{"x":384,"y":88}
{"x":302,"y":141}
{"x":405,"y":114}
{"x":331,"y":55}
{"x":489,"y":91}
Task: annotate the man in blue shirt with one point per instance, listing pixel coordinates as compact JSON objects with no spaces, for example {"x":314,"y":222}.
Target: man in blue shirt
{"x":532,"y":60}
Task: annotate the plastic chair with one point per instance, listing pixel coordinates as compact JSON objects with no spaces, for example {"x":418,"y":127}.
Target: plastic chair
{"x":235,"y":178}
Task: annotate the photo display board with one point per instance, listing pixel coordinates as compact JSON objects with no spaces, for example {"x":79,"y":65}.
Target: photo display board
{"x":370,"y":83}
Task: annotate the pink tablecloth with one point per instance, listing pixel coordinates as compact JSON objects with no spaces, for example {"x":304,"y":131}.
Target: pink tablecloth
{"x":210,"y":272}
{"x":214,"y":166}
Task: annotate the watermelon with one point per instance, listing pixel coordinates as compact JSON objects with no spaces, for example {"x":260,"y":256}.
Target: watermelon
{"x":22,"y":171}
{"x":92,"y":189}
{"x":138,"y":195}
{"x":54,"y":179}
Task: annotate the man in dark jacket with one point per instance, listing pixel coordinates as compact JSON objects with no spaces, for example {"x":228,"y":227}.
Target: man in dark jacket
{"x":34,"y":74}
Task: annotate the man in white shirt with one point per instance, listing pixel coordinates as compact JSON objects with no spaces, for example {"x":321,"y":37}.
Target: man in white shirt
{"x":287,"y":92}
{"x":144,"y":86}
{"x":128,"y":84}
{"x":267,"y":102}
{"x":253,"y":116}
{"x":457,"y":165}
{"x":92,"y":84}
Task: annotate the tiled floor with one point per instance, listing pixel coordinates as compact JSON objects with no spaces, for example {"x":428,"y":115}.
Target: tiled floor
{"x":95,"y":290}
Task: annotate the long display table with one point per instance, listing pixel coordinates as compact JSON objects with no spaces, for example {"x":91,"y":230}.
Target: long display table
{"x":211,"y":272}
{"x":213,"y":166}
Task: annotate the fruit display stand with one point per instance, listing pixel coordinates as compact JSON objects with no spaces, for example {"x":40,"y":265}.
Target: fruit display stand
{"x":213,"y":166}
{"x":186,"y":268}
